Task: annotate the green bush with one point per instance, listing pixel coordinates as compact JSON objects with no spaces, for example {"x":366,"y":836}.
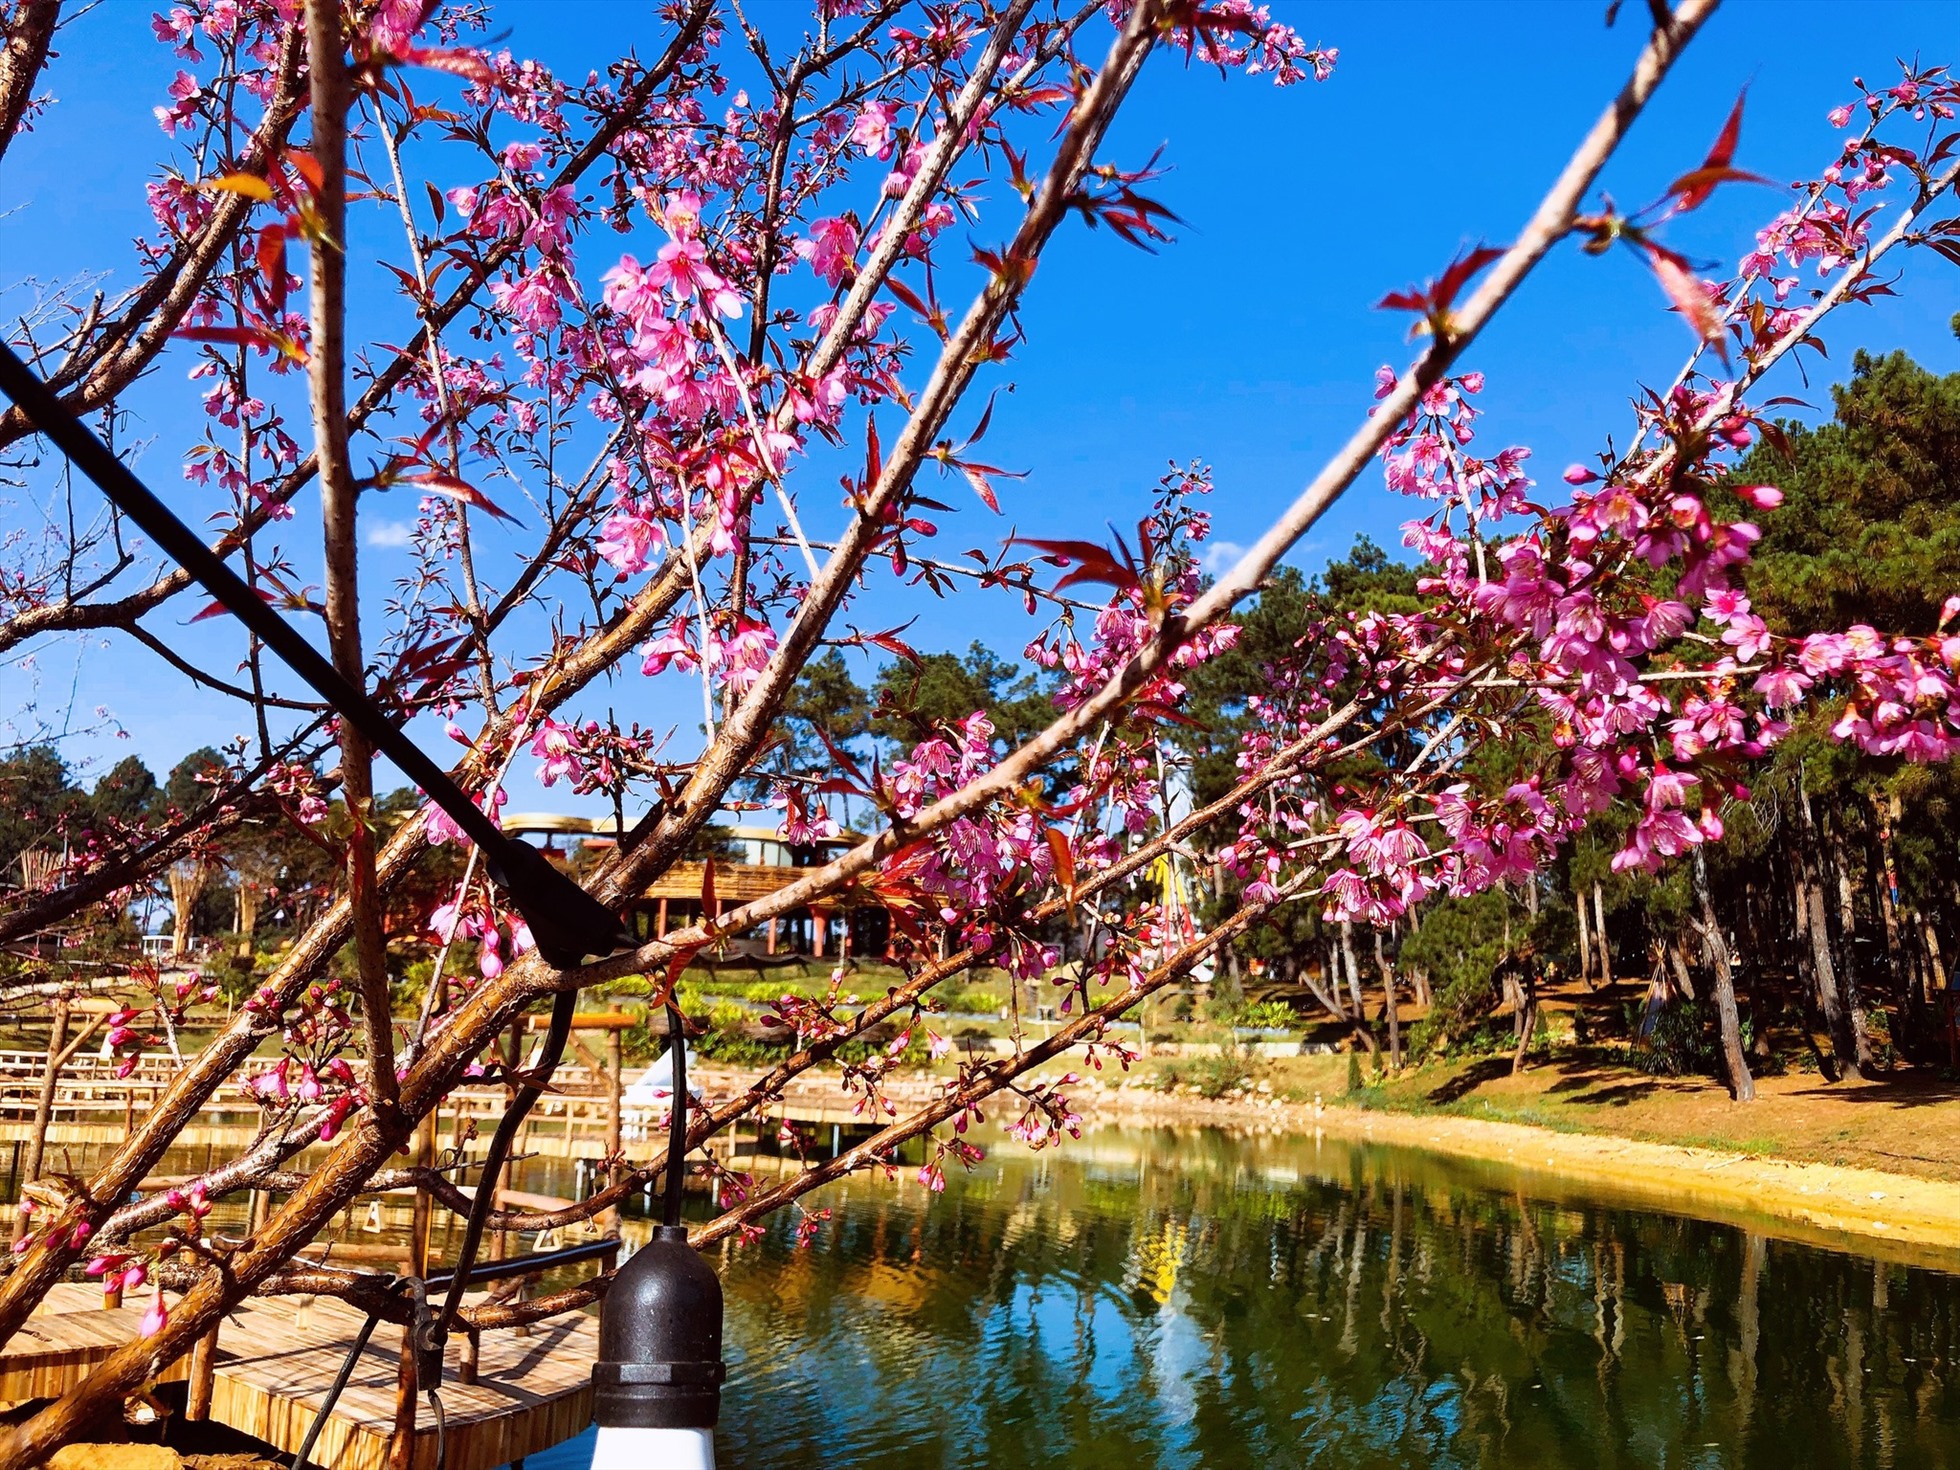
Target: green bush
{"x":1268,"y":1015}
{"x":1209,"y":1077}
{"x":1685,"y":1042}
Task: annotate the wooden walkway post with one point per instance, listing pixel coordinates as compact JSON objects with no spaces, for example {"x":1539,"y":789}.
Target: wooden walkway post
{"x":204,"y":1376}
{"x":43,"y":1109}
{"x":615,"y":1108}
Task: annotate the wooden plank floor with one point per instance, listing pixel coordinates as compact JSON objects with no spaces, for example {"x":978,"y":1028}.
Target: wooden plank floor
{"x":276,"y":1359}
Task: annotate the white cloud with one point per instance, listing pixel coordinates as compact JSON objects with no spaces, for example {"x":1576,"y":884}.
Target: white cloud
{"x":1221,"y":556}
{"x":389,"y":535}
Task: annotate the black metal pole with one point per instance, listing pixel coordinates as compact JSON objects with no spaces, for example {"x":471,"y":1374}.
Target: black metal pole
{"x":567,"y":922}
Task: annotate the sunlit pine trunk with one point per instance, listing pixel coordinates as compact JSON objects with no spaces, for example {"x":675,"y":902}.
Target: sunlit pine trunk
{"x":1389,"y":1004}
{"x":1817,"y":928}
{"x":1600,"y":936}
{"x":1585,"y":940}
{"x":1837,"y":854}
{"x":1742,"y":1086}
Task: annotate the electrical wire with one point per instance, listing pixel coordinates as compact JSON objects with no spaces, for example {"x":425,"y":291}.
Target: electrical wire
{"x":334,"y":1391}
{"x":432,"y":1332}
{"x":556,"y":1034}
{"x":442,"y":1430}
{"x":676,"y":1117}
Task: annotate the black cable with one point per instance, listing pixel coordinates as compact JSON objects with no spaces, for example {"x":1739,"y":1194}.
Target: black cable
{"x":676,"y":1116}
{"x":334,"y":1392}
{"x":442,"y":1430}
{"x":562,"y":1009}
{"x":566,"y":922}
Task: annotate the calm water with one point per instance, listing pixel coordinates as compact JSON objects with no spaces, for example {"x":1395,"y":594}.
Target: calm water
{"x":1153,"y":1298}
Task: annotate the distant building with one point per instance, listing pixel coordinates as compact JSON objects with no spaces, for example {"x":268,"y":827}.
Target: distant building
{"x":749,"y":862}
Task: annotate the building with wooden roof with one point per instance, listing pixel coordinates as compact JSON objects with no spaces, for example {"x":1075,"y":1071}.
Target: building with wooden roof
{"x":750,"y":863}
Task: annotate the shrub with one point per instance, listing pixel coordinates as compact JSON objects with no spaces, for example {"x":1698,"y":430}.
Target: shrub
{"x":1209,"y":1077}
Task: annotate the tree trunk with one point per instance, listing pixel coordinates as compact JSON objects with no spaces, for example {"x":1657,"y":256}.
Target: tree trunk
{"x":1585,"y":940}
{"x":1684,"y":980}
{"x":1331,"y":979}
{"x":1839,"y":858}
{"x":1816,"y":925}
{"x":1527,"y":1014}
{"x":1599,"y":935}
{"x":1353,"y":971}
{"x":187,"y":880}
{"x":1885,"y":881}
{"x":1929,"y":936}
{"x":248,"y":916}
{"x":1329,"y":1003}
{"x":1394,"y":1021}
{"x":1742,"y":1087}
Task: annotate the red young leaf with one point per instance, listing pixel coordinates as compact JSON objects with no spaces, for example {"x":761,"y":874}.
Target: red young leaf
{"x":218,"y":609}
{"x":1433,"y":304}
{"x":244,"y":337}
{"x":1690,"y":298}
{"x":465,"y":64}
{"x":874,"y":458}
{"x":1093,"y":563}
{"x":1064,"y":857}
{"x":1697,"y":186}
{"x":447,"y":484}
{"x":893,"y":644}
{"x":271,"y":257}
{"x":1461,"y":270}
{"x":307,"y":167}
{"x":683,"y":957}
{"x":709,"y":904}
{"x":1719,"y":158}
{"x":980,"y":486}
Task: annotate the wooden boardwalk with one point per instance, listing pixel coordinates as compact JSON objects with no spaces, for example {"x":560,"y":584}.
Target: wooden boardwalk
{"x":94,"y":1109}
{"x":276,"y":1359}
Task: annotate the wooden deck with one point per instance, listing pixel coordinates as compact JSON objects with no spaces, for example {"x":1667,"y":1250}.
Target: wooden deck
{"x":276,"y":1359}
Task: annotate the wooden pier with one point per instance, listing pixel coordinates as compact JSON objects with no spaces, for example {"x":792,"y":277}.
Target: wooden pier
{"x":275,"y":1360}
{"x":267,"y":1369}
{"x":90,"y":1108}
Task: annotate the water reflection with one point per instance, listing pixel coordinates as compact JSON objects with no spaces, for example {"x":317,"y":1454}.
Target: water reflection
{"x":1163,"y":1298}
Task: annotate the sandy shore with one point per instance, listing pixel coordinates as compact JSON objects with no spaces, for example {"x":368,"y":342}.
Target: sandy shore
{"x":1919,"y":1219}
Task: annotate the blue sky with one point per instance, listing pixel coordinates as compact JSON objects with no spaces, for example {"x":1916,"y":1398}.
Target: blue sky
{"x":1249,"y":344}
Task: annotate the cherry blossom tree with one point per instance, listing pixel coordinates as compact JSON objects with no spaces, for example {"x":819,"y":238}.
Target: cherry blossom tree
{"x":646,"y":430}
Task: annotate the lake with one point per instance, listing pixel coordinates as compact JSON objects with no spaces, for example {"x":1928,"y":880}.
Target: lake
{"x":1181,"y":1297}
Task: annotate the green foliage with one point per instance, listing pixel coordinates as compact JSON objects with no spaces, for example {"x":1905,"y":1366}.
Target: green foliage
{"x":1259,"y":1015}
{"x":1269,"y":627}
{"x":188,"y":786}
{"x":917,"y":700}
{"x":126,"y":794}
{"x":1268,"y":1015}
{"x":1684,"y":1042}
{"x":1869,"y":528}
{"x":1460,"y":945}
{"x":37,"y":804}
{"x":233,"y":974}
{"x":1209,"y":1076}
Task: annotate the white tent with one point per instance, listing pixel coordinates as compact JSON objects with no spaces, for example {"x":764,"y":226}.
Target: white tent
{"x":650,"y":1091}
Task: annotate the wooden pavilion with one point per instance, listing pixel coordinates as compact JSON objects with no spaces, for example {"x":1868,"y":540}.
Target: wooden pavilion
{"x":749,"y":863}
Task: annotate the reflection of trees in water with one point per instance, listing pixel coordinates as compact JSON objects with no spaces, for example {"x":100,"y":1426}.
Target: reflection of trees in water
{"x":1180,"y":1298}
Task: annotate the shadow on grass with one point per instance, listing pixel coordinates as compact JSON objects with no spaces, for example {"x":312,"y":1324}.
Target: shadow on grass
{"x":1470,"y":1079}
{"x":1914,"y":1089}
